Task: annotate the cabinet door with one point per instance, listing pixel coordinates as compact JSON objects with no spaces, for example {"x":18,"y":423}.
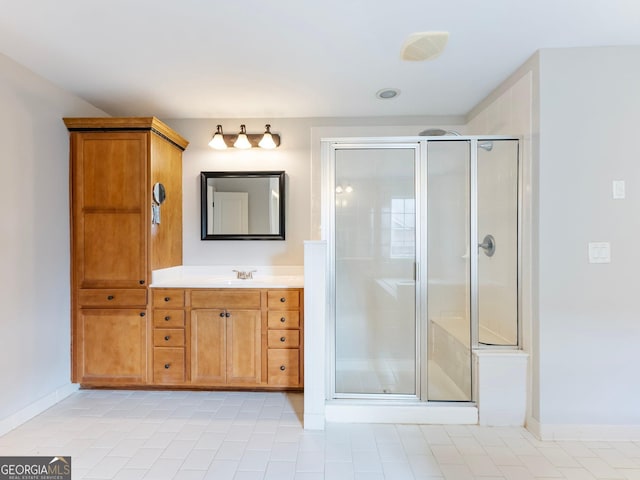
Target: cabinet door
{"x":208,"y":347}
{"x":244,"y":347}
{"x":111,"y":346}
{"x":109,"y":172}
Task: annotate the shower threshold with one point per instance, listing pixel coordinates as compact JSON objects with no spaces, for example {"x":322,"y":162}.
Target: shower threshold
{"x":416,"y":412}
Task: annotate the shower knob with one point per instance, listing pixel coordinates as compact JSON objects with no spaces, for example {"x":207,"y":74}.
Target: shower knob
{"x":488,"y":245}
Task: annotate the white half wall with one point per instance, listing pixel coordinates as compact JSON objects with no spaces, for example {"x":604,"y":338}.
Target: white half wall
{"x":34,"y":241}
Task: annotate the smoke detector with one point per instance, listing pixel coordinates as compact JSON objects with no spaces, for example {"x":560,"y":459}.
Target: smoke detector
{"x":424,"y":46}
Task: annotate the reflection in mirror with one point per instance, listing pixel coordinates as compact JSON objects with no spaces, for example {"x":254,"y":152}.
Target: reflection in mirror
{"x":242,"y":205}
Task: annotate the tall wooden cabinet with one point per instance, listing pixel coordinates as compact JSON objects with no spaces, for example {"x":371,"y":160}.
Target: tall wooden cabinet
{"x":114,"y":164}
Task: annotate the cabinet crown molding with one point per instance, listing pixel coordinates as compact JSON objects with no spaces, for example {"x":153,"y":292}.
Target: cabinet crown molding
{"x":103,"y":124}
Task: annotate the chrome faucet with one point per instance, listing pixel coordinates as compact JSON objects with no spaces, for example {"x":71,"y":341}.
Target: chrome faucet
{"x":244,"y":275}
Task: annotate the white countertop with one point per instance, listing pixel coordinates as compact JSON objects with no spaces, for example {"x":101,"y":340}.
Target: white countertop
{"x":213,"y":276}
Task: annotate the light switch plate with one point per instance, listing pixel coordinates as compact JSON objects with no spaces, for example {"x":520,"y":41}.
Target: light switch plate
{"x":618,"y":190}
{"x":599,"y":252}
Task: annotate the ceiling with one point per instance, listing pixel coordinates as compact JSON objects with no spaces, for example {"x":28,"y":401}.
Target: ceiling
{"x":294,"y":58}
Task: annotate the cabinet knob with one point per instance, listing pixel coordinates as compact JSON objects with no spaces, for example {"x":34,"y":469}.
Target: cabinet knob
{"x":141,"y":282}
{"x":110,"y":297}
{"x":227,"y":315}
{"x":282,"y":319}
{"x":283,"y":299}
{"x":142,"y":314}
{"x":167,"y":337}
{"x":283,"y":368}
{"x":282,"y":339}
{"x":222,"y":314}
{"x":166,"y":299}
{"x":167,"y":318}
{"x":167,"y":365}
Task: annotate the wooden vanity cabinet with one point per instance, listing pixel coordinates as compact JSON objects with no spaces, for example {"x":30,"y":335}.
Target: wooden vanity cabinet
{"x":114,"y":162}
{"x":226,"y":337}
{"x":284,"y":338}
{"x":112,"y":345}
{"x":169,"y":337}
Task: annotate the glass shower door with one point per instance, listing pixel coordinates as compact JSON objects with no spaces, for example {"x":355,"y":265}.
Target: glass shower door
{"x":375,"y":252}
{"x":498,"y":238}
{"x":448,"y":271}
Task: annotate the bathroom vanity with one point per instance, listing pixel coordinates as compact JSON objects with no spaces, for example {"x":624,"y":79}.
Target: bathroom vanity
{"x":227,"y":337}
{"x":213,"y":328}
{"x":190,"y":328}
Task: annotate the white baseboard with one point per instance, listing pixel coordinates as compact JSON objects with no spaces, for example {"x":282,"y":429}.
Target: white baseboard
{"x":27,"y":413}
{"x":609,"y":433}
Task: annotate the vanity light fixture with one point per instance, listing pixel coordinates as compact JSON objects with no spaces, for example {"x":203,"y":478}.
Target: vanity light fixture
{"x":217,"y":141}
{"x":267,"y":138}
{"x":244,"y":140}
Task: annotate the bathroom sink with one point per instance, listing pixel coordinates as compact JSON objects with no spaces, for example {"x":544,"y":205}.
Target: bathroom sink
{"x":194,"y":277}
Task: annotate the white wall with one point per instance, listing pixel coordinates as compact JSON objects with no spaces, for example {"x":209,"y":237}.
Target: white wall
{"x":292,"y":157}
{"x":34,"y":240}
{"x":581,"y":322}
{"x":298,"y":155}
{"x":588,"y":313}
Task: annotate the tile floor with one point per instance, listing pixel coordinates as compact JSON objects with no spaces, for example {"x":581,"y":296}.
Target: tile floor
{"x":159,"y":435}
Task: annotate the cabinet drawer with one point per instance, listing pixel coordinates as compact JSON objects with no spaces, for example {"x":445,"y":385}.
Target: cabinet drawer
{"x":283,"y":367}
{"x":168,"y":318}
{"x":168,"y":365}
{"x":168,"y":297}
{"x":283,"y":299}
{"x":284,"y":338}
{"x":168,"y":337}
{"x":283,"y":319}
{"x":112,"y":297}
{"x":226,"y":298}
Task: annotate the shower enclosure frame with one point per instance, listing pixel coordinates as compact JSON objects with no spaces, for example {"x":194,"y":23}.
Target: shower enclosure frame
{"x":419,"y":144}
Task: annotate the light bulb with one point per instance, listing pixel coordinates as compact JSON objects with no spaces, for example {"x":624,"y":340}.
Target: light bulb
{"x":339,"y":189}
{"x":348,"y":189}
{"x":217,"y":141}
{"x":267,"y":139}
{"x":242,"y":141}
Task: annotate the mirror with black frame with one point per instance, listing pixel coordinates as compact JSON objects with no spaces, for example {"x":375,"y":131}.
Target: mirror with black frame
{"x":242,"y":205}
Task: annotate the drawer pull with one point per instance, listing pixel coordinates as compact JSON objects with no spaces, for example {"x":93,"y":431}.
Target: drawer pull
{"x":167,"y":318}
{"x":283,"y":299}
{"x":142,"y":314}
{"x":110,"y":297}
{"x":167,"y":299}
{"x":167,"y":365}
{"x":282,"y":339}
{"x":283,"y":368}
{"x":282,"y":319}
{"x":167,"y":337}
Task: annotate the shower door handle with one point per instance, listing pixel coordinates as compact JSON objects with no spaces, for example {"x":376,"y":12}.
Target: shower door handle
{"x":488,"y":245}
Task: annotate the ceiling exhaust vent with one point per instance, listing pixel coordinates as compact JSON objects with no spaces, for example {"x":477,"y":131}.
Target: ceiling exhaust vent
{"x":424,"y":46}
